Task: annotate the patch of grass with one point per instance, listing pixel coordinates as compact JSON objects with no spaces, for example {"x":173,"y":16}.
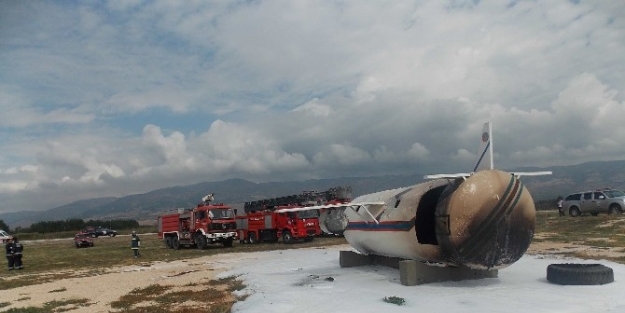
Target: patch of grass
{"x":602,"y":231}
{"x":24,"y":299}
{"x":206,"y":295}
{"x":53,"y":306}
{"x":139,"y":295}
{"x":58,"y":290}
{"x":236,"y":286}
{"x":394,"y":300}
{"x":216,"y":297}
{"x":233,"y":283}
{"x":242,"y":297}
{"x":9,"y":282}
{"x":3,"y":304}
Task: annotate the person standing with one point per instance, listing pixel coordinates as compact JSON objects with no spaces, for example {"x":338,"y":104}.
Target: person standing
{"x":560,"y":210}
{"x":10,"y":253}
{"x":135,"y":243}
{"x":17,"y":257}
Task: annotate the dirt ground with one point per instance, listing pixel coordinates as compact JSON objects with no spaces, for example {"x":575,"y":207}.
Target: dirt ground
{"x":102,"y":289}
{"x":578,"y":250}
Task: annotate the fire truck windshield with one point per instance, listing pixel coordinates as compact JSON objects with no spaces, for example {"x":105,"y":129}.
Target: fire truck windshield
{"x":307,"y":214}
{"x":220,"y":213}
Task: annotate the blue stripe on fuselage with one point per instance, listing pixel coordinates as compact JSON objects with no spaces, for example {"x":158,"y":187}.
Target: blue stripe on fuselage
{"x":382,"y":226}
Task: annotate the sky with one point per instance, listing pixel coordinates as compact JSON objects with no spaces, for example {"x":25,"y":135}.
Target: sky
{"x":298,"y":281}
{"x":112,"y":98}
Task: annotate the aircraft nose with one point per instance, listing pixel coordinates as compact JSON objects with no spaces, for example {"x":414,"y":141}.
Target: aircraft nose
{"x":486,"y":222}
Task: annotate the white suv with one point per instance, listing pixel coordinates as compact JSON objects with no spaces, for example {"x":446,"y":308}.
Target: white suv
{"x":4,"y":236}
{"x":608,"y":201}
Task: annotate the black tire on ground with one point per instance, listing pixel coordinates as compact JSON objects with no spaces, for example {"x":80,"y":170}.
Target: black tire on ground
{"x":76,"y":244}
{"x":168,"y":242}
{"x":574,"y":211}
{"x":112,"y":235}
{"x":201,"y":242}
{"x":228,"y":243}
{"x":309,"y":239}
{"x":579,"y":274}
{"x":287,"y":237}
{"x":94,"y":235}
{"x":175,"y":244}
{"x":615,"y":209}
{"x":251,"y":238}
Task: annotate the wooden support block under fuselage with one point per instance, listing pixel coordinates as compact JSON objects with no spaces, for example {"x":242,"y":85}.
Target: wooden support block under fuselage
{"x":412,"y":272}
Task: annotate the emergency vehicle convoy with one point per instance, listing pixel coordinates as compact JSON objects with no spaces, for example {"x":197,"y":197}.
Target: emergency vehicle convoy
{"x":264,"y":221}
{"x":205,"y":224}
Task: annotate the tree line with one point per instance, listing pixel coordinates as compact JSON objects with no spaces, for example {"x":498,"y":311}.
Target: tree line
{"x":74,"y":224}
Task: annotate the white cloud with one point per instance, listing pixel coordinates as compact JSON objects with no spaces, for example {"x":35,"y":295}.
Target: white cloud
{"x":128,"y":96}
{"x":315,"y":108}
{"x":19,"y":111}
{"x":341,"y":154}
{"x":418,"y":151}
{"x":464,"y":155}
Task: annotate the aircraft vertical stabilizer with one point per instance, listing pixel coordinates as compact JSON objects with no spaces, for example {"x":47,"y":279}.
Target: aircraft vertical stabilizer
{"x":485,"y":153}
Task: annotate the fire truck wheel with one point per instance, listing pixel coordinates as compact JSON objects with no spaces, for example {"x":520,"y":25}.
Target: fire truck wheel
{"x":309,"y":239}
{"x":251,"y":238}
{"x":287,"y":237}
{"x":201,"y":242}
{"x":175,"y":244}
{"x":168,"y":242}
{"x":228,"y":243}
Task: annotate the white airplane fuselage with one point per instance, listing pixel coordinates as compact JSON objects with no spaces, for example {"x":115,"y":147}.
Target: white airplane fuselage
{"x":484,"y":221}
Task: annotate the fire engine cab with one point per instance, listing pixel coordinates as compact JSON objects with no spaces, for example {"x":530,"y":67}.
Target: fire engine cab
{"x":205,"y":224}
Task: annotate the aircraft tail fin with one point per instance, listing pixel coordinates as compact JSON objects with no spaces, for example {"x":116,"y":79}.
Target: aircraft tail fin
{"x":485,"y":152}
{"x":485,"y":159}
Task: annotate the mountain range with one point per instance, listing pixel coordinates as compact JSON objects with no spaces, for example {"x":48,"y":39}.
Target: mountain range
{"x":147,"y":206}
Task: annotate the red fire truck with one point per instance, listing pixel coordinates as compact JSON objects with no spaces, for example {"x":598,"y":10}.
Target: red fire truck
{"x":271,"y":219}
{"x":269,"y":225}
{"x":204,"y":224}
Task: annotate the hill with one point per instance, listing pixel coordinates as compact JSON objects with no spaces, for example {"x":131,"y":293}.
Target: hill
{"x":145,"y":207}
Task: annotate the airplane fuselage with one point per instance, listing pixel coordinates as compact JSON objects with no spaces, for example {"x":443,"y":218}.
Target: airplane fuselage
{"x":484,"y":221}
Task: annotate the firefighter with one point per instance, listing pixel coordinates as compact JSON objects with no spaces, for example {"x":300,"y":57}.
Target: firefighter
{"x":10,"y":253}
{"x":17,"y":258}
{"x":135,"y":243}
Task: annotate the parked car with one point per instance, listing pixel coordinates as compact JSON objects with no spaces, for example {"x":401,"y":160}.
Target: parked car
{"x":82,"y":240}
{"x":4,"y":236}
{"x":100,"y":231}
{"x":609,"y":201}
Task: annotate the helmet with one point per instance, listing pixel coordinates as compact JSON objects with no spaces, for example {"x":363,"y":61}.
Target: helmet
{"x":134,"y":232}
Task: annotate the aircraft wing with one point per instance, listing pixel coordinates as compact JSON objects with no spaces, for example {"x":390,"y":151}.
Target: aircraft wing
{"x":329,"y":206}
{"x":458,"y":175}
{"x":447,"y":176}
{"x":519,"y":174}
